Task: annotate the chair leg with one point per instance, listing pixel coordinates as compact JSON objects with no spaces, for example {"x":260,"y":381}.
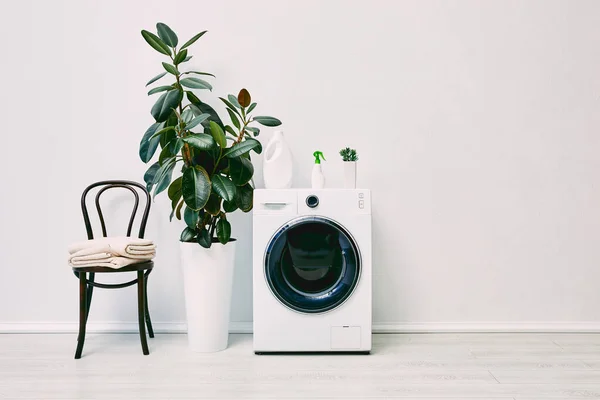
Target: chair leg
{"x":82,"y":313}
{"x":148,"y":321}
{"x":90,"y":292}
{"x":142,"y":311}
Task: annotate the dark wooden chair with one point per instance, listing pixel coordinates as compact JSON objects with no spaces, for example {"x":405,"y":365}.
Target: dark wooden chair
{"x":86,"y":275}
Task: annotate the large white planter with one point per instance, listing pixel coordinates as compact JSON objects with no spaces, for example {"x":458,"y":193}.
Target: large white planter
{"x":208,"y":281}
{"x":350,"y":174}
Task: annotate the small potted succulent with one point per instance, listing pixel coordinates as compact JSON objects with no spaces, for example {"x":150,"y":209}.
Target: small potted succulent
{"x":350,"y":157}
{"x":205,"y":166}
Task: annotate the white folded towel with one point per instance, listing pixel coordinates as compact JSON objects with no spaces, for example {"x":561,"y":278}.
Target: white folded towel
{"x":124,"y":246}
{"x":111,"y":252}
{"x":110,"y":262}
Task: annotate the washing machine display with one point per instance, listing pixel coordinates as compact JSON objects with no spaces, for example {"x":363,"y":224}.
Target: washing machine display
{"x":312,"y":264}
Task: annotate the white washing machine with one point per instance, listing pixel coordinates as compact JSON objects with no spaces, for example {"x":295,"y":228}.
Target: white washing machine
{"x":312,"y":270}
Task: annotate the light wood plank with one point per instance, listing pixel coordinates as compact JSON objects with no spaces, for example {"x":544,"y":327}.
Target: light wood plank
{"x":554,"y":377}
{"x":401,"y":366}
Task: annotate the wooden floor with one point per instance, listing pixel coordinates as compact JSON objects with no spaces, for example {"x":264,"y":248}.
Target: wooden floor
{"x":432,"y":366}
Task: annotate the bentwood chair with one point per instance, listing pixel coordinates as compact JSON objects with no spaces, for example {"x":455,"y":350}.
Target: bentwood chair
{"x":87,"y":275}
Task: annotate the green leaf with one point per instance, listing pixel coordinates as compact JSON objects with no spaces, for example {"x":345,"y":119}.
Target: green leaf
{"x":166,"y":155}
{"x":190,"y":217}
{"x":218,"y":134}
{"x":200,"y":141}
{"x":178,"y":210}
{"x":243,"y":147}
{"x":196,"y":121}
{"x":160,"y":132}
{"x":175,"y":189}
{"x":148,"y":144}
{"x":169,"y":135}
{"x":231,"y":106}
{"x":188,"y":58}
{"x":196,"y":187}
{"x":195,"y":83}
{"x":166,"y":34}
{"x":192,"y":40}
{"x":187,"y":115}
{"x":157,"y":77}
{"x":244,"y":197}
{"x":159,"y":89}
{"x":252,"y":106}
{"x":254,"y":130}
{"x":199,"y":73}
{"x":204,"y":108}
{"x":175,"y":145}
{"x":234,"y":119}
{"x":267,"y":121}
{"x":244,"y":98}
{"x":230,"y":130}
{"x":170,"y":68}
{"x":150,"y":175}
{"x":223,"y":231}
{"x":233,"y":100}
{"x":180,"y":57}
{"x":156,"y":43}
{"x":163,"y":177}
{"x":187,"y":235}
{"x":223,"y":186}
{"x":204,"y":239}
{"x":173,"y":120}
{"x":165,"y":104}
{"x":240,"y":170}
{"x":229,"y":206}
{"x":193,"y":98}
{"x":213,"y":205}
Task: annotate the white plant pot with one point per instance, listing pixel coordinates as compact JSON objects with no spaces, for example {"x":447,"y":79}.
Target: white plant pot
{"x":208,"y":281}
{"x":350,"y":174}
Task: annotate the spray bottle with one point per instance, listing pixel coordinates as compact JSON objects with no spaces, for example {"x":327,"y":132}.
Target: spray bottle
{"x":318,"y":179}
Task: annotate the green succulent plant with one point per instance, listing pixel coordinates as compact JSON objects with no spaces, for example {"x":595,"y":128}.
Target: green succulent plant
{"x":211,"y":158}
{"x":349,"y":154}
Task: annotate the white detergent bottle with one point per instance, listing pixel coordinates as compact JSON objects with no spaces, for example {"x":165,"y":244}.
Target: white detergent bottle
{"x":277,"y":164}
{"x":318,"y":179}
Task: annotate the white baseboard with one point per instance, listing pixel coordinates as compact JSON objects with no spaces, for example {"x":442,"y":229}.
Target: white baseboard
{"x":246,"y":327}
{"x":489,"y":327}
{"x":107,"y":327}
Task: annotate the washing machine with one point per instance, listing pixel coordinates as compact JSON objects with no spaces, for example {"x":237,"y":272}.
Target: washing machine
{"x":312,"y":270}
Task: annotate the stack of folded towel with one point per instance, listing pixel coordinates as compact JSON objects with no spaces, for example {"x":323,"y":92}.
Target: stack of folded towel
{"x":111,"y":252}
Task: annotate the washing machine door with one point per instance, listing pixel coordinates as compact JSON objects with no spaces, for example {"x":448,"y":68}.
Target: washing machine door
{"x":312,"y":264}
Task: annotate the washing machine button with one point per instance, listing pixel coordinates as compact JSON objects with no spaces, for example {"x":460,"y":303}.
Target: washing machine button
{"x":312,"y":201}
{"x":361,"y":204}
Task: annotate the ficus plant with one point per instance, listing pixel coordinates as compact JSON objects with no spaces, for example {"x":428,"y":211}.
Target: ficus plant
{"x":203,"y":163}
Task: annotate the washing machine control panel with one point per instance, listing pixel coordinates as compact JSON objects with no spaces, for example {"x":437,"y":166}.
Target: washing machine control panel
{"x":361,"y":200}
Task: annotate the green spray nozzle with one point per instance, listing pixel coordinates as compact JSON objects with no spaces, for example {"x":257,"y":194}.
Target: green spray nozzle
{"x":318,"y":155}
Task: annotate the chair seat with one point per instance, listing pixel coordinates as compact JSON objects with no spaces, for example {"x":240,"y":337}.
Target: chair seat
{"x":140,"y":266}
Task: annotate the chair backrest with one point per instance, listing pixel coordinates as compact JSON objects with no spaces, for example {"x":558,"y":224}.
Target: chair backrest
{"x":133,"y":188}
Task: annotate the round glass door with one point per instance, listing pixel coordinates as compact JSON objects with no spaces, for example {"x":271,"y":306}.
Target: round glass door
{"x":312,"y":265}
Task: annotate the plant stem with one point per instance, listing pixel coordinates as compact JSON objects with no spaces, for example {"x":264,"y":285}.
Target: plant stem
{"x":213,"y":225}
{"x":242,"y":131}
{"x":187,"y":153}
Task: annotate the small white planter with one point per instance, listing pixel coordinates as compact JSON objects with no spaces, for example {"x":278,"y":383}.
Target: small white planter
{"x":208,"y":281}
{"x":350,"y":174}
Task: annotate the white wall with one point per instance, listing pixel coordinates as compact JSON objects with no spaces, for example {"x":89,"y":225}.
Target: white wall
{"x":476,"y":122}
